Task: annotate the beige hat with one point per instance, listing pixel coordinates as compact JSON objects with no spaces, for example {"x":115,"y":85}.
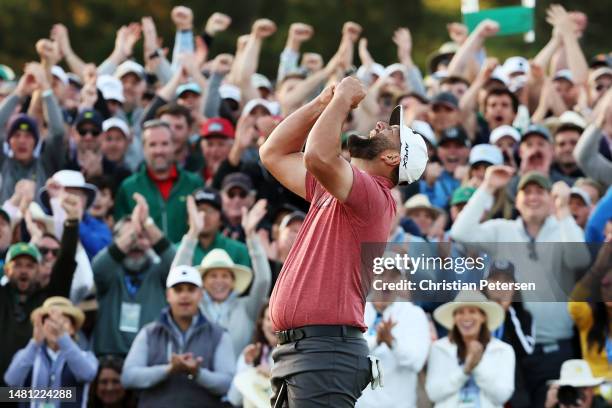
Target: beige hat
{"x":494,"y":312}
{"x":38,"y":214}
{"x":219,"y":259}
{"x":577,"y":373}
{"x":65,"y":306}
{"x":421,"y":202}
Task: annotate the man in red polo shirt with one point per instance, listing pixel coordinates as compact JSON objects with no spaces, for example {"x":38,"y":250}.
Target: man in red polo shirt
{"x":317,"y":305}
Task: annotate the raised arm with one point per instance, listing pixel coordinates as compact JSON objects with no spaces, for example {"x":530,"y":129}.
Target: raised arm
{"x":127,"y":36}
{"x":298,"y":33}
{"x":322,"y":156}
{"x":282,"y":153}
{"x":562,"y":22}
{"x":468,"y":50}
{"x":59,"y":34}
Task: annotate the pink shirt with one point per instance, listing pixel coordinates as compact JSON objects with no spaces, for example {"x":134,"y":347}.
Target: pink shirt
{"x":321,"y":282}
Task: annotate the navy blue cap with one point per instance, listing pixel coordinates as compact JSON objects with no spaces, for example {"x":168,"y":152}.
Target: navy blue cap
{"x":24,"y":122}
{"x":445,"y":98}
{"x":89,"y":116}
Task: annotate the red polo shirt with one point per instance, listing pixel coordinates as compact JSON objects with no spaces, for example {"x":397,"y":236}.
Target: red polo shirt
{"x":164,"y":186}
{"x":321,"y":281}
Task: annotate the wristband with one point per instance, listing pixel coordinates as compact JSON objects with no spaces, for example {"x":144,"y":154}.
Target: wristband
{"x":47,"y":92}
{"x":149,"y":222}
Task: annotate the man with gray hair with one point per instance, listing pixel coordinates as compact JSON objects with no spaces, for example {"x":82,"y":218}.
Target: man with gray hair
{"x":129,"y":277}
{"x":163,"y":184}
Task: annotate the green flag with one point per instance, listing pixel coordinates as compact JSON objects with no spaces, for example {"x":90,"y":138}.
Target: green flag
{"x":511,"y":20}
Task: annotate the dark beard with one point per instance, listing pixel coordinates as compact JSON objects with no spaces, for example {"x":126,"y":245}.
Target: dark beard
{"x":367,"y":148}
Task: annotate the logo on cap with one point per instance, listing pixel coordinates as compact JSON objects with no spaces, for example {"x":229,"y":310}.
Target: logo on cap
{"x":88,"y":115}
{"x":405,"y":159}
{"x":215,"y":127}
{"x":24,"y":126}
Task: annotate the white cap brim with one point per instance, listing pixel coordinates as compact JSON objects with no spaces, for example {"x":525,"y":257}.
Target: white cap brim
{"x":413,"y":150}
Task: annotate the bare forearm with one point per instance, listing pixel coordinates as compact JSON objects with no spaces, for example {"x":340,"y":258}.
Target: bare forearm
{"x":75,"y":63}
{"x":289,"y":136}
{"x":545,"y":55}
{"x":305,"y":88}
{"x":324,"y":140}
{"x":249,"y":60}
{"x":575,"y":59}
{"x":459,"y":62}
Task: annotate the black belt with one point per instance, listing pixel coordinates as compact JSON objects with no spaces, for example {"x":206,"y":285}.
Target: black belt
{"x":291,"y":335}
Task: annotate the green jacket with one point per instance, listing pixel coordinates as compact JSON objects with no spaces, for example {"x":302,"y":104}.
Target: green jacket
{"x":171,"y":215}
{"x":235,"y":249}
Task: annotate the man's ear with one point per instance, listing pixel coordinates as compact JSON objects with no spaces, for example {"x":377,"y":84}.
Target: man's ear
{"x":391,"y":158}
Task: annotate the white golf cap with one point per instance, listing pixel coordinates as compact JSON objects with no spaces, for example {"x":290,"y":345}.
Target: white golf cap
{"x":364,"y":73}
{"x":397,"y":67}
{"x":188,"y":87}
{"x":577,"y":191}
{"x":514,"y":65}
{"x":130,"y":67}
{"x":272,"y":107}
{"x":424,"y":129}
{"x":504,"y":130}
{"x":571,"y":118}
{"x":184,"y":274}
{"x":413,"y":150}
{"x":500,"y":75}
{"x":486,"y":153}
{"x":260,"y":81}
{"x":111,"y":88}
{"x":564,"y":74}
{"x":116,"y":123}
{"x":60,"y":74}
{"x":227,"y":91}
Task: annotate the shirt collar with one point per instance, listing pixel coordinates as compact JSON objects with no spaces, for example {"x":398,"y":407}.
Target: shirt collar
{"x":173,"y":174}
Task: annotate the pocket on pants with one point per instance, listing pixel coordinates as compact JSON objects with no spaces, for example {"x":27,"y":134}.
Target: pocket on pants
{"x":363,"y":375}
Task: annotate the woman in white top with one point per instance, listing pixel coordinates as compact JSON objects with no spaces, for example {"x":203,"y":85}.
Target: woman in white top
{"x":469,"y":368}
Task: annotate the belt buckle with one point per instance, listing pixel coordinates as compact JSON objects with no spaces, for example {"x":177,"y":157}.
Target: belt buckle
{"x":297,"y":334}
{"x":282,"y":336}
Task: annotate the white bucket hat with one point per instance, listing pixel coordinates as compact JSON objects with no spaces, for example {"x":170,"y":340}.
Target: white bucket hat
{"x":494,"y":312}
{"x":577,"y":373}
{"x":70,"y":179}
{"x":38,"y":214}
{"x":413,"y":150}
{"x":219,"y":259}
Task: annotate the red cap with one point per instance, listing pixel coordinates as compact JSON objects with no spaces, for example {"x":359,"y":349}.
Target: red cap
{"x":217,"y":127}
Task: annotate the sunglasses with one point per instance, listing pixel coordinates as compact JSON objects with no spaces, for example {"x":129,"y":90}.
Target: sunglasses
{"x":93,"y":132}
{"x":44,"y":251}
{"x":241,"y":194}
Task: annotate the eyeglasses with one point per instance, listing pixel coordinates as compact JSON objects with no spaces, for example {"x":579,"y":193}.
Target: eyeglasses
{"x":241,"y":194}
{"x":45,"y":250}
{"x":84,"y":132}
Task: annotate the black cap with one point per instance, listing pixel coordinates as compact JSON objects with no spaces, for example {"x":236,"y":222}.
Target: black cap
{"x":209,"y":196}
{"x":445,"y":98}
{"x":456,"y":133}
{"x":240,"y":180}
{"x":89,"y":116}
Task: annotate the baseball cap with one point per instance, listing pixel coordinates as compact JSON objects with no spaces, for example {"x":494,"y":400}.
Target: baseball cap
{"x":116,"y":123}
{"x":456,"y":133}
{"x":445,"y":98}
{"x":364,"y":73}
{"x":217,"y":127}
{"x":413,"y":150}
{"x":183,"y":274}
{"x":571,"y":119}
{"x":289,"y":218}
{"x":534,"y":177}
{"x":564,"y":74}
{"x":271,"y":107}
{"x":446,"y":50}
{"x":227,"y":91}
{"x":486,"y":153}
{"x":74,"y":79}
{"x":462,"y":195}
{"x":130,"y":67}
{"x":536,"y":130}
{"x":88,"y":115}
{"x":600,"y":60}
{"x":499,"y":74}
{"x":580,"y":193}
{"x":111,"y":88}
{"x":393,"y":68}
{"x":188,"y":87}
{"x":5,"y":215}
{"x":514,"y":65}
{"x":502,"y":131}
{"x":599,"y":72}
{"x":208,"y":196}
{"x":6,"y":73}
{"x":424,"y":129}
{"x":240,"y":180}
{"x":59,"y":73}
{"x":24,"y":122}
{"x":23,"y":249}
{"x":260,"y":81}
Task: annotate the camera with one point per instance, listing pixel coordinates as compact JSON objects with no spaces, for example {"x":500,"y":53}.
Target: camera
{"x":569,"y":396}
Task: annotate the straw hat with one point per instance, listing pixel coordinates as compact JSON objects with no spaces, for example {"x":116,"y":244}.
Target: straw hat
{"x":494,"y":312}
{"x":65,"y":306}
{"x":577,"y":373}
{"x":421,"y":202}
{"x":219,"y":259}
